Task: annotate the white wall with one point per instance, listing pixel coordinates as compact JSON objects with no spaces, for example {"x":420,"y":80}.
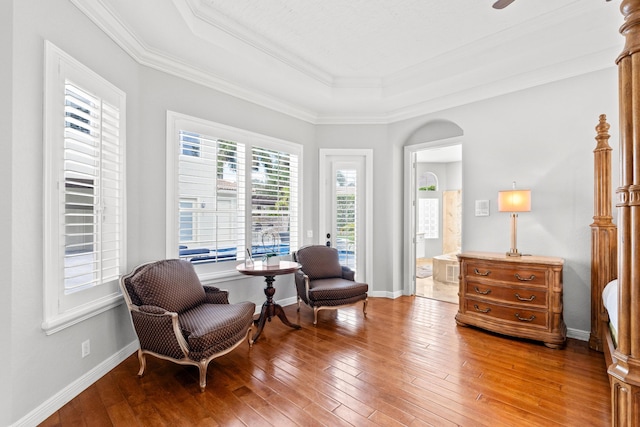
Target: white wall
{"x":454,"y":176}
{"x":386,"y":186}
{"x":6,"y":129}
{"x":161,"y":92}
{"x":542,"y":138}
{"x":41,"y":366}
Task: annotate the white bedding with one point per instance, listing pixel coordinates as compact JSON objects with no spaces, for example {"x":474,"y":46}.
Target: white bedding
{"x":610,"y":301}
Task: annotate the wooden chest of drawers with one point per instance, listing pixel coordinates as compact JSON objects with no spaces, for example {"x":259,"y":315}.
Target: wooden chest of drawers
{"x":516,"y":296}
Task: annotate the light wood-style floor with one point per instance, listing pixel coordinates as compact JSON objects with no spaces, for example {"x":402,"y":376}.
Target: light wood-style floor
{"x":407,"y":363}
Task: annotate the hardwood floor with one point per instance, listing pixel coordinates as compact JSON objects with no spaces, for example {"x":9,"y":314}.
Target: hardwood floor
{"x":407,"y":363}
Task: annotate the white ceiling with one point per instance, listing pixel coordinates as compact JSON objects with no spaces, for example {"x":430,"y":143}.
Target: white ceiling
{"x":364,"y":61}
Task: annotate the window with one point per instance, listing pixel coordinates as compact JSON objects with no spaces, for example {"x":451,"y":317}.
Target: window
{"x":190,"y":144}
{"x":274,"y":179}
{"x":232,"y":192}
{"x":210,"y":197}
{"x":187,"y":208}
{"x":428,"y":213}
{"x":428,"y":181}
{"x":346,"y":213}
{"x":84,"y":192}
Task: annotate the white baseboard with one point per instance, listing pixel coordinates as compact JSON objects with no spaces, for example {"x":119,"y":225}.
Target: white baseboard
{"x":65,"y":395}
{"x":285,"y":302}
{"x":385,"y":294}
{"x":578,"y":334}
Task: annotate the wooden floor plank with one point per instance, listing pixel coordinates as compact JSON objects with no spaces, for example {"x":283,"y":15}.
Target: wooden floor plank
{"x":407,"y":363}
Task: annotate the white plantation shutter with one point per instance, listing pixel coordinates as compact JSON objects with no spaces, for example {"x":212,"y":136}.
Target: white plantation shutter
{"x":346,"y":212}
{"x":211,"y":199}
{"x":84,"y":192}
{"x":92,"y":190}
{"x":274,"y":201}
{"x":229,"y":192}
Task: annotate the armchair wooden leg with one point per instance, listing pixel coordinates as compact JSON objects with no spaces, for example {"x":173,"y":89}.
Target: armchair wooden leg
{"x":250,"y":337}
{"x":364,"y":307}
{"x":143,"y":362}
{"x":202,"y":367}
{"x":315,"y":316}
{"x":298,"y":298}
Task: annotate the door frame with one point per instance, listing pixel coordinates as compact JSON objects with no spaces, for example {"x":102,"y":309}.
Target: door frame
{"x":410,"y":197}
{"x":324,"y":154}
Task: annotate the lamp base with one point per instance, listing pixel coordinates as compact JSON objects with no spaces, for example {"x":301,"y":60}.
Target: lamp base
{"x":513,"y":251}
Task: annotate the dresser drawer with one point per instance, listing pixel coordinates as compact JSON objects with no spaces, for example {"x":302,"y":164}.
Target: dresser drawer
{"x":515,"y":315}
{"x":509,"y":294}
{"x":530,"y":276}
{"x":516,"y":296}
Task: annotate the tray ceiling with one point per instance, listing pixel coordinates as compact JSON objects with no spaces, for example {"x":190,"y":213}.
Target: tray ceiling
{"x":364,"y":61}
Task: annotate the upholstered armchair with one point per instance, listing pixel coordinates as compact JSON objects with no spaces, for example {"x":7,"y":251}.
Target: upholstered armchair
{"x":322,"y":283}
{"x":176,"y":318}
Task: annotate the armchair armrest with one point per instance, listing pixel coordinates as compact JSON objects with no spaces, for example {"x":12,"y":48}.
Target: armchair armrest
{"x":151,"y":325}
{"x":214,"y":295}
{"x":152,"y":309}
{"x":348,"y":274}
{"x":298,"y":277}
{"x":302,"y":285}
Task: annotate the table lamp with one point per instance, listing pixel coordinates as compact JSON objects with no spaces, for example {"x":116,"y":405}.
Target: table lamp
{"x":514,"y":201}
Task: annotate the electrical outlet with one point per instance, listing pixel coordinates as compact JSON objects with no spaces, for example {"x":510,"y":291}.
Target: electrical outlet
{"x":86,"y":348}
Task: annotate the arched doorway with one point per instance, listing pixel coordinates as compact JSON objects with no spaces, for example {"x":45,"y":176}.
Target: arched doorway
{"x":433,"y":210}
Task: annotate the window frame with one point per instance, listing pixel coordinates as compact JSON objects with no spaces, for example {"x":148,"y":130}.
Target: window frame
{"x":176,"y":122}
{"x":62,"y":308}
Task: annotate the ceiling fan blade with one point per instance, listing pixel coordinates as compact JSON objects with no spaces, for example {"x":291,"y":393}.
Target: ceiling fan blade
{"x":501,"y":4}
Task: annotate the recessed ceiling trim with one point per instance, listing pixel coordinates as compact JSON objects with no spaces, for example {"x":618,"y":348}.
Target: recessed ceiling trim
{"x":109,"y":23}
{"x":552,"y":73}
{"x":200,"y":11}
{"x":421,"y":90}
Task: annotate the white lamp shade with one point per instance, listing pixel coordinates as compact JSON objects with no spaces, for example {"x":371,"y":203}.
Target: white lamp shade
{"x":514,"y":201}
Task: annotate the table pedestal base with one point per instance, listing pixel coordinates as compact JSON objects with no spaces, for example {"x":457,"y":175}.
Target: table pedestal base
{"x":270,"y":309}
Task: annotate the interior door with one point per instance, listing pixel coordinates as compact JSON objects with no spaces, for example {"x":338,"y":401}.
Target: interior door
{"x":343,"y":205}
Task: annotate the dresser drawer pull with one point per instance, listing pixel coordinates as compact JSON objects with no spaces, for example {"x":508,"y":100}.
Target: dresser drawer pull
{"x":475,"y":270}
{"x":524,"y":279}
{"x":478,"y":291}
{"x":486,"y":310}
{"x":531,"y":298}
{"x":522,"y":319}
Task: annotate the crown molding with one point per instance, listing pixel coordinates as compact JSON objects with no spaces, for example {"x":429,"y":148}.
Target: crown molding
{"x":509,"y":84}
{"x":197,"y":12}
{"x":112,"y":26}
{"x":492,"y":66}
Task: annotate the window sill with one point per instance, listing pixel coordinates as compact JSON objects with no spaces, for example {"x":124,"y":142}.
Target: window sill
{"x":60,"y":321}
{"x":212,"y":278}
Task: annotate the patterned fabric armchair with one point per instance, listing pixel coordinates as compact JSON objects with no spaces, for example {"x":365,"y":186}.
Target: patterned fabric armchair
{"x":322,"y":283}
{"x":177,"y":318}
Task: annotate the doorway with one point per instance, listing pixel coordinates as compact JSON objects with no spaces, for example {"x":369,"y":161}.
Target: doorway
{"x":435,"y":231}
{"x":346,"y":207}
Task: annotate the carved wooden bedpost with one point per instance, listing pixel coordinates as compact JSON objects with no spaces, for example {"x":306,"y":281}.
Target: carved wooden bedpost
{"x":625,"y":370}
{"x":603,"y":234}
